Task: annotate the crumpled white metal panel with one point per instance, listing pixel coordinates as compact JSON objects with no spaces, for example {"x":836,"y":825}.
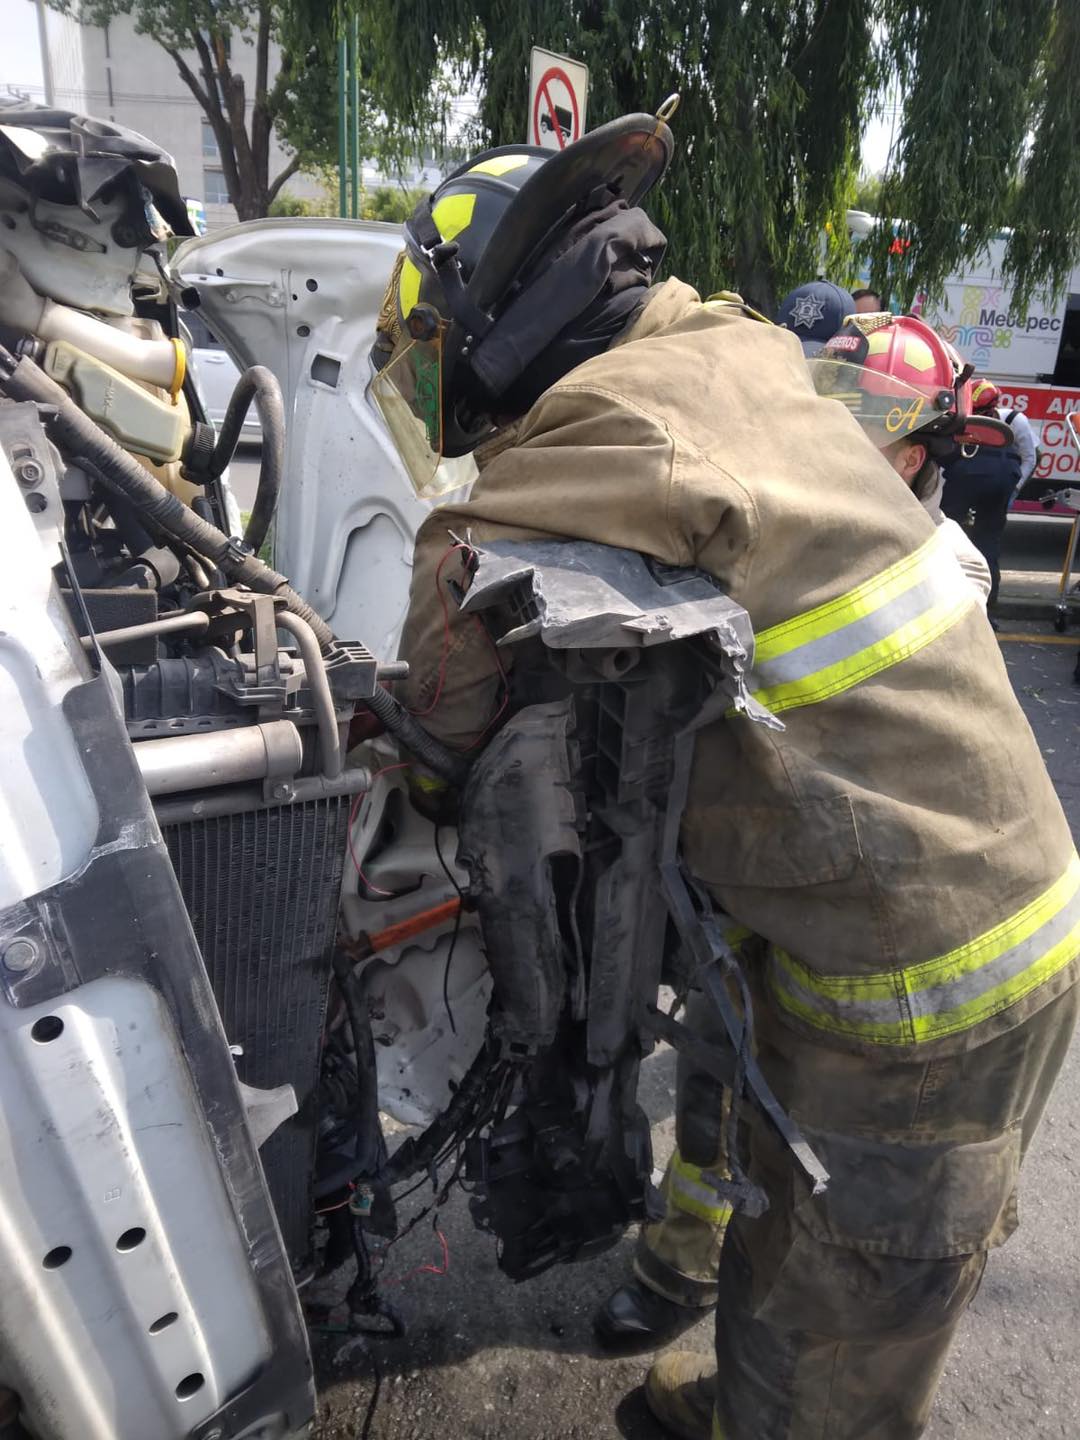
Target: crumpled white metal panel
{"x":127,"y":1308}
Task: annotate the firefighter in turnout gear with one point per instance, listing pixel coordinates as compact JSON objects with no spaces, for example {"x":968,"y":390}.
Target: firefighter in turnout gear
{"x":897,"y":846}
{"x":880,"y":363}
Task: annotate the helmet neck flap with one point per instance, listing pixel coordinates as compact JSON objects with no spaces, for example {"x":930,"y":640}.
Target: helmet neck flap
{"x":556,"y":277}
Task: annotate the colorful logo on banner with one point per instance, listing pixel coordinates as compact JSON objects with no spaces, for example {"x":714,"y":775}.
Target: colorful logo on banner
{"x":979,"y":329}
{"x":976,"y":319}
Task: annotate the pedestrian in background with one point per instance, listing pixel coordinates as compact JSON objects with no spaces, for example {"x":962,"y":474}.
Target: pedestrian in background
{"x":986,"y":399}
{"x":979,"y":486}
{"x":814,"y":313}
{"x":868,"y":302}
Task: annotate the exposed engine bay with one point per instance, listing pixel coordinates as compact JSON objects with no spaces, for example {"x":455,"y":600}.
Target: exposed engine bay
{"x":233,"y":934}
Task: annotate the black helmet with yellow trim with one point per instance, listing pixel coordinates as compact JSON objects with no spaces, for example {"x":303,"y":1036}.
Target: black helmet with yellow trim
{"x":522,"y":264}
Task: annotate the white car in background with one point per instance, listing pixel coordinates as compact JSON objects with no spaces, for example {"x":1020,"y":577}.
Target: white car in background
{"x":216,"y":376}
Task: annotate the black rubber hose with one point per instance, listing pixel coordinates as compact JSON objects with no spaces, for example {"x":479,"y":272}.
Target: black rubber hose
{"x":258,"y":384}
{"x":81,"y":437}
{"x":370,"y":1145}
{"x":416,"y":739}
{"x":25,"y":380}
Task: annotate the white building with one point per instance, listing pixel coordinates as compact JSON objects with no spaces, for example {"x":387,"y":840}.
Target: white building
{"x":118,"y":75}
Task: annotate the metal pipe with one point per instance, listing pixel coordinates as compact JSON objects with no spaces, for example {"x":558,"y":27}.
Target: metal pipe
{"x":159,"y":362}
{"x":176,"y":811}
{"x":196,"y":571}
{"x":220,"y":757}
{"x":24,"y":380}
{"x":166,"y":625}
{"x":393,"y":670}
{"x":321,"y":698}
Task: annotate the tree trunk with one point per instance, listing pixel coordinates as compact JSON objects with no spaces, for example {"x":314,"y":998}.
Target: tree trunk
{"x":244,"y":164}
{"x":754,"y":278}
{"x":251,"y":203}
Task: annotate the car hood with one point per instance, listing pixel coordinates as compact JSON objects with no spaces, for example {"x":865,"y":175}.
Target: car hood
{"x":302,"y":296}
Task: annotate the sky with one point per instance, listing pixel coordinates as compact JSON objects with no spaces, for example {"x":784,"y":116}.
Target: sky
{"x":20,"y":69}
{"x":20,"y":58}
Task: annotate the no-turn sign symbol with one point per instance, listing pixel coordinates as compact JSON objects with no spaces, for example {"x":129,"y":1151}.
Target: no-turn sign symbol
{"x":558,"y":89}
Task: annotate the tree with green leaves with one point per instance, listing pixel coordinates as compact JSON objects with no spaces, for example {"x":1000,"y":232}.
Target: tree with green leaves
{"x":298,"y":100}
{"x":775,"y":97}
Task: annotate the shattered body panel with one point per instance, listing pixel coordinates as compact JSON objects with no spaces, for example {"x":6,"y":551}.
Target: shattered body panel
{"x":138,"y":1236}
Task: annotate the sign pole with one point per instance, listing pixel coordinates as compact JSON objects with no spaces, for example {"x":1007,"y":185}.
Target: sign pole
{"x":343,"y":122}
{"x":354,"y":96}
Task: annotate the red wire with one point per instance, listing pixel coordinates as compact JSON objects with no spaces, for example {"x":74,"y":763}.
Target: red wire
{"x":443,"y":1269}
{"x":340,"y":1205}
{"x":353,"y":811}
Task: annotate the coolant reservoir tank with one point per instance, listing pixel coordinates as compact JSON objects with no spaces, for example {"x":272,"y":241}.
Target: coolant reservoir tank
{"x":136,"y":417}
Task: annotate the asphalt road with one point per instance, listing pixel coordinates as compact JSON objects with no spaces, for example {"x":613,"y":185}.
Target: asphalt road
{"x":484,"y":1359}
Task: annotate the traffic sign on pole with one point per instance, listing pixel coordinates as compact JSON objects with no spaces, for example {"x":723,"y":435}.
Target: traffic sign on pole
{"x":558,"y":89}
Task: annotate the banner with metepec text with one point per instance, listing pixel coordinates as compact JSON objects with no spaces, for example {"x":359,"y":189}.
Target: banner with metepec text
{"x":975,"y":317}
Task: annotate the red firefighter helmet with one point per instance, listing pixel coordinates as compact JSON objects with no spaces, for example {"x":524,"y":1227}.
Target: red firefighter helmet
{"x":901,"y":380}
{"x":985,"y":395}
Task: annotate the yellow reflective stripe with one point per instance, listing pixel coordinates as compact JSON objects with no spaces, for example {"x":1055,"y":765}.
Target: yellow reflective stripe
{"x":452,"y":214}
{"x":835,"y":614}
{"x":933,"y":1027}
{"x":975,"y":954}
{"x":717,"y":1428}
{"x":950,"y":993}
{"x":691,"y":1192}
{"x":845,"y":674}
{"x":833,"y":647}
{"x":498,"y":165}
{"x":409,"y":287}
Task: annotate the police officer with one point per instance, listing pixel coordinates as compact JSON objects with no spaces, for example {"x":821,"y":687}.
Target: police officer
{"x":898,"y":845}
{"x":980,"y":482}
{"x":814,"y":312}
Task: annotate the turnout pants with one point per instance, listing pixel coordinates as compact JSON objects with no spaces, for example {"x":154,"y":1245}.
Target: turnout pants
{"x":679,"y":1256}
{"x":836,"y":1312}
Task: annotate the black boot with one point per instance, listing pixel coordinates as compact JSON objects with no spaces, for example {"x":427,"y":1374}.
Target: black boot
{"x":636,"y":1317}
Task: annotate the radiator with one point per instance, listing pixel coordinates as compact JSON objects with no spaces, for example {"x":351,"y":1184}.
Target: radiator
{"x":262,"y":890}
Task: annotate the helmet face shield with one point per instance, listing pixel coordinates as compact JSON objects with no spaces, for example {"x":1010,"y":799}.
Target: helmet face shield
{"x":901,"y":380}
{"x":408,"y":392}
{"x":887,"y":408}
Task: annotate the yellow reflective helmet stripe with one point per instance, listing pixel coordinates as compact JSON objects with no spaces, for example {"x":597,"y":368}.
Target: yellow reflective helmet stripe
{"x":690,"y":1191}
{"x":498,"y":165}
{"x":408,"y":287}
{"x":917,"y":353}
{"x":717,"y":1428}
{"x":950,"y":993}
{"x":453,"y":214}
{"x":835,"y":646}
